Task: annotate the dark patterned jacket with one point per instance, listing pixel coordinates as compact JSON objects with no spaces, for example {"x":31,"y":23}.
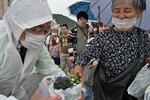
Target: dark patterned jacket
{"x":72,"y":40}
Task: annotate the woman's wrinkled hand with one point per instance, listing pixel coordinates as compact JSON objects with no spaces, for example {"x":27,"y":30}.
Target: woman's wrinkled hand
{"x":79,"y":70}
{"x":95,"y":63}
{"x":147,"y":60}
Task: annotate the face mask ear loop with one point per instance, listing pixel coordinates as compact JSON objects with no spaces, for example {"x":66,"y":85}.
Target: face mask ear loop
{"x":24,"y":31}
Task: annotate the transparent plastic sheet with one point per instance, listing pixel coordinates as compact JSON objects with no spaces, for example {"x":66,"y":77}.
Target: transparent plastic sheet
{"x":2,"y":97}
{"x":147,"y":93}
{"x":140,"y":83}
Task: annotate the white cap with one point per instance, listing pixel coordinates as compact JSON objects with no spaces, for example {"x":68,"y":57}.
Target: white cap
{"x":24,"y":14}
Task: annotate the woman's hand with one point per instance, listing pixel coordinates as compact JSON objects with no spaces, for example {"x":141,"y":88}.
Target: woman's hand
{"x":147,"y":60}
{"x":95,"y":63}
{"x":78,"y":69}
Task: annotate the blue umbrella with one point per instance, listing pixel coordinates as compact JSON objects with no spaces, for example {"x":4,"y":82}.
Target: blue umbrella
{"x":102,"y":12}
{"x":81,"y":6}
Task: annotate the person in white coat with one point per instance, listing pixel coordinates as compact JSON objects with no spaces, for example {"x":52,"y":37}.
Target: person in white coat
{"x":26,"y":23}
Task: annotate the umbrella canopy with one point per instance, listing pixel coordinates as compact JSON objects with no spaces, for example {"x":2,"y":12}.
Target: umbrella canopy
{"x":81,"y":6}
{"x":61,"y":19}
{"x":102,"y":12}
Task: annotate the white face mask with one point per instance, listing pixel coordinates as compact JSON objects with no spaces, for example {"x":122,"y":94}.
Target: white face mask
{"x":33,"y":41}
{"x":124,"y":24}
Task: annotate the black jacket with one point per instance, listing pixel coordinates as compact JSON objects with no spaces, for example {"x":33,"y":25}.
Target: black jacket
{"x":115,"y":89}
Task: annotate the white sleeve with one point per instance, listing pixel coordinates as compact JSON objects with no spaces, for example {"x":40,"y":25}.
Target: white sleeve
{"x":2,"y":97}
{"x":45,"y":64}
{"x":47,"y":40}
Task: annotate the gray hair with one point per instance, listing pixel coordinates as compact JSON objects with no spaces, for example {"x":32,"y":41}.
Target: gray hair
{"x":54,"y":27}
{"x":138,"y":5}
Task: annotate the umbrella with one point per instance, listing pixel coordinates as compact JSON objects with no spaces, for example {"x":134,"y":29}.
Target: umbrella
{"x":102,"y":12}
{"x":61,"y":19}
{"x":81,"y":6}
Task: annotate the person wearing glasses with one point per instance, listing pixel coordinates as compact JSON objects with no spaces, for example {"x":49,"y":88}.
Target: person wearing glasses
{"x":22,"y":34}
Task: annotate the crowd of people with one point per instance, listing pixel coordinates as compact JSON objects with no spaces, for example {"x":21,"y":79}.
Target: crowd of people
{"x":30,"y":39}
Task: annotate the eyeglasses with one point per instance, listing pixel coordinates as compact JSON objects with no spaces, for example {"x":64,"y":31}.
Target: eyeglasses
{"x":40,"y":30}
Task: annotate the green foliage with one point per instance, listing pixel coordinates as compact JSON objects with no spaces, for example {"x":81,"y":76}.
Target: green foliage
{"x":75,"y":78}
{"x":62,"y":83}
{"x":65,"y":82}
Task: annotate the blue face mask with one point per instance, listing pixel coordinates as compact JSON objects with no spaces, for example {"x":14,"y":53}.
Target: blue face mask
{"x":124,"y":24}
{"x":33,"y":41}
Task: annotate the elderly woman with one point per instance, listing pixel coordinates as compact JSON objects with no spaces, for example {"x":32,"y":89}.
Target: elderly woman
{"x":26,"y":24}
{"x":118,"y":48}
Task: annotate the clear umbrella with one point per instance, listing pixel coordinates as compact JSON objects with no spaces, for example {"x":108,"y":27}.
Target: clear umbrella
{"x":102,"y":12}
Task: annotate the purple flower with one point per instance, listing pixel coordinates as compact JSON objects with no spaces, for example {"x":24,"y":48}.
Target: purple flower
{"x":62,"y":83}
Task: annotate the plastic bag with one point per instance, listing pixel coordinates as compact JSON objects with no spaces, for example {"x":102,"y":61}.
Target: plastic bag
{"x":140,"y":83}
{"x":72,"y":93}
{"x":147,"y":93}
{"x":88,"y":74}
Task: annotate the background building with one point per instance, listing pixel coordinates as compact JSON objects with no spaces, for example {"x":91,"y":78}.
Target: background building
{"x":3,"y":6}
